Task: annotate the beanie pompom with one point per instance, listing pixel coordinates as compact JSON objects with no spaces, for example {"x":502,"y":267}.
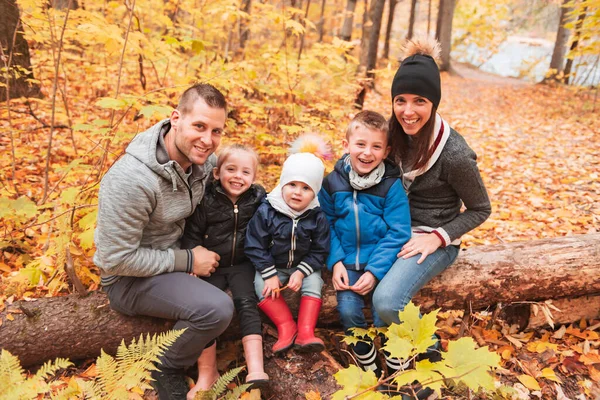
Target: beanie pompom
{"x":423,"y":46}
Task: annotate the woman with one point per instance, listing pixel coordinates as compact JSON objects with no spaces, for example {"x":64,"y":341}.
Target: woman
{"x":439,"y":172}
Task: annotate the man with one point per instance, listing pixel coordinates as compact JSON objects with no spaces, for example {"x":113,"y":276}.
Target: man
{"x":143,"y":202}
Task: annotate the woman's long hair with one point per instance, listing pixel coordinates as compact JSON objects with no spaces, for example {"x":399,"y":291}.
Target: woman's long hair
{"x":415,"y":156}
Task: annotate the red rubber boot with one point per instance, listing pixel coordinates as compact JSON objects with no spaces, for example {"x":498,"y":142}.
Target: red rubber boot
{"x":307,"y":320}
{"x":278,"y":311}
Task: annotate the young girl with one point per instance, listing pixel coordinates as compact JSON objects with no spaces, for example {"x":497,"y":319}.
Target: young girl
{"x":219,"y":224}
{"x":288,"y":241}
{"x":440,"y":174}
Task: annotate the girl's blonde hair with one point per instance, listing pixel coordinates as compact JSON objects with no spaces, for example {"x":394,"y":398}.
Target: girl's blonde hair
{"x":227,"y":151}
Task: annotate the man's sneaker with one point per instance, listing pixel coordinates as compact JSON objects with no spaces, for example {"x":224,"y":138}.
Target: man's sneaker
{"x":170,"y":385}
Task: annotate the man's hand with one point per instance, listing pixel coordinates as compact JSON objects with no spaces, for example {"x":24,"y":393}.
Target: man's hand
{"x":340,"y":277}
{"x":205,"y":261}
{"x":295,"y":282}
{"x":364,"y":284}
{"x":420,"y":244}
{"x":272,"y":287}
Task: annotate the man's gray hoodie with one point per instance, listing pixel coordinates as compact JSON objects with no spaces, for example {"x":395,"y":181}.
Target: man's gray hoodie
{"x":142,"y":205}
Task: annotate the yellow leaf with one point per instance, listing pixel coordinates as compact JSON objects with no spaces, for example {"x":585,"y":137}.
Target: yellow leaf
{"x":414,"y":328}
{"x":529,"y":382}
{"x":312,"y":395}
{"x":10,"y":317}
{"x":425,"y":373}
{"x":354,"y":380}
{"x":549,"y":374}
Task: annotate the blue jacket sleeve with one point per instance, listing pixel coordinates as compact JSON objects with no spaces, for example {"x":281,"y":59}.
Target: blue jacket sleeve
{"x":336,"y":251}
{"x":319,"y":247}
{"x":257,"y":242}
{"x":396,"y":214}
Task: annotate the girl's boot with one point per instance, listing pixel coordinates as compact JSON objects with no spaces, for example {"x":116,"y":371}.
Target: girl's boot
{"x":253,"y":351}
{"x":207,"y":371}
{"x":278,"y":311}
{"x":366,"y":356}
{"x":307,"y":321}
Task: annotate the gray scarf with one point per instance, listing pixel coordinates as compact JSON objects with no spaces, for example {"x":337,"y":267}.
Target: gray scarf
{"x":366,"y":181}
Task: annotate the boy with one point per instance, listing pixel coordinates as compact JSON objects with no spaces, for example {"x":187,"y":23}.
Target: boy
{"x":367,"y":208}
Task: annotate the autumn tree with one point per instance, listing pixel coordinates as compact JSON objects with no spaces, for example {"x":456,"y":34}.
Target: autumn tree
{"x":16,"y":63}
{"x":346,"y":32}
{"x":388,"y":29}
{"x":581,"y":12}
{"x":560,"y":45}
{"x":444,"y":31}
{"x":411,"y":21}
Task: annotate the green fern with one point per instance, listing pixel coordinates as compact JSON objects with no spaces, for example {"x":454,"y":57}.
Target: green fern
{"x":220,"y":387}
{"x":237,"y":392}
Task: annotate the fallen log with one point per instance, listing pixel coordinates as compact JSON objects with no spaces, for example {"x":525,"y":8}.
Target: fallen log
{"x":483,"y":276}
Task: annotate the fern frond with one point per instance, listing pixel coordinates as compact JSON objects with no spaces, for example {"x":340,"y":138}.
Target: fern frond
{"x":107,"y":377}
{"x":221,"y":384}
{"x":11,"y":373}
{"x":237,"y":392}
{"x":50,"y":367}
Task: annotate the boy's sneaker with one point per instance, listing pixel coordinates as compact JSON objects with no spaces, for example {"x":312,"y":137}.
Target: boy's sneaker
{"x":170,"y":384}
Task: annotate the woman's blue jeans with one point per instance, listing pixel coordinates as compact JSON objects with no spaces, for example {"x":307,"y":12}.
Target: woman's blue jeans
{"x":405,"y":279}
{"x":350,"y":306}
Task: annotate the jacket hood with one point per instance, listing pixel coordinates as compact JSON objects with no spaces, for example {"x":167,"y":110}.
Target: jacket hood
{"x":391,"y":169}
{"x":148,"y":147}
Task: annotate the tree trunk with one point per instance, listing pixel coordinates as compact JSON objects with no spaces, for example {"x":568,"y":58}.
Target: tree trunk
{"x":14,"y":55}
{"x":376,"y":15}
{"x":411,"y":21}
{"x":388,"y":28}
{"x":62,"y":4}
{"x":244,"y":28}
{"x":560,"y":45}
{"x":438,"y":20}
{"x":445,"y":32}
{"x":566,"y":269}
{"x":322,"y":21}
{"x":346,"y":33}
{"x":578,"y":25}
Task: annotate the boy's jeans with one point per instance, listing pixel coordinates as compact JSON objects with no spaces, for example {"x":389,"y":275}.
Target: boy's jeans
{"x":350,"y":306}
{"x":405,"y":279}
{"x":311,"y":284}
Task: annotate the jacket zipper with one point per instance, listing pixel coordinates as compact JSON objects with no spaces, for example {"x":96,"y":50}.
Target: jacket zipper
{"x":293,"y":243}
{"x":235,"y":222}
{"x":354,"y":196}
{"x":189,"y":189}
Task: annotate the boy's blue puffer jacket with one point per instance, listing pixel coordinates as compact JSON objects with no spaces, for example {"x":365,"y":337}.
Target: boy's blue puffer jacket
{"x":368,"y":227}
{"x":274,"y":240}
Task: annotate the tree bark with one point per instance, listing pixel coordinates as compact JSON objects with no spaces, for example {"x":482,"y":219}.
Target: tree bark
{"x":244,"y":27}
{"x":578,"y":25}
{"x":376,"y":15}
{"x":563,"y":269}
{"x":388,"y":29}
{"x":560,"y":45}
{"x":322,"y":21}
{"x":445,"y":32}
{"x":411,"y":20}
{"x":14,"y":55}
{"x":346,"y":33}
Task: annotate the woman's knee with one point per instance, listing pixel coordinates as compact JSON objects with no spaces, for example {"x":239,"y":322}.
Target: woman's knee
{"x":388,"y":304}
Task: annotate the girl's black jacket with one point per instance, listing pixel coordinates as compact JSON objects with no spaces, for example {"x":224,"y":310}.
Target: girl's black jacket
{"x":276,"y":241}
{"x":219,"y":225}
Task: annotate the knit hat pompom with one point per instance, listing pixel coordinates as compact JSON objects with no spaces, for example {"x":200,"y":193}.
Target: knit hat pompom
{"x":419,"y":73}
{"x":303,"y":167}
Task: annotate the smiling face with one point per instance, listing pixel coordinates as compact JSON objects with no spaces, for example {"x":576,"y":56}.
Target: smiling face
{"x":367,"y":148}
{"x":297,"y":195}
{"x":412,"y":112}
{"x":196,"y":134}
{"x":236,"y":173}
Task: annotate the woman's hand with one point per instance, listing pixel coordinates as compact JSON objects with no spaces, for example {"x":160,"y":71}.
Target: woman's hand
{"x":364,"y":284}
{"x":295,"y":282}
{"x":420,"y":244}
{"x":272,"y":287}
{"x":340,"y":277}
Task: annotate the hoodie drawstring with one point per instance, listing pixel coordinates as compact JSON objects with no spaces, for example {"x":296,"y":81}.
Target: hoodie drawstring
{"x":173,"y":176}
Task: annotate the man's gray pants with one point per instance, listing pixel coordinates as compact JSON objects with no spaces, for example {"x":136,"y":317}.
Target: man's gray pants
{"x":196,"y":305}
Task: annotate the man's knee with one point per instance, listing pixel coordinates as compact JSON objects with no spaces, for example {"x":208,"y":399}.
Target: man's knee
{"x":213,"y":313}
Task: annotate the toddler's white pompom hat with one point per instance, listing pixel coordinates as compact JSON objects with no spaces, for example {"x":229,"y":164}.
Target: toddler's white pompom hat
{"x":303,"y":167}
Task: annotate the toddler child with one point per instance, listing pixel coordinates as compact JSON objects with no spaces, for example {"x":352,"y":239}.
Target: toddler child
{"x":366,"y":205}
{"x":219,"y":224}
{"x":288,"y":241}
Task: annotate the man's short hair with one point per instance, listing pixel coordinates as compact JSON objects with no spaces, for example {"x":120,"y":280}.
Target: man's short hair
{"x":369,"y":120}
{"x":205,"y":91}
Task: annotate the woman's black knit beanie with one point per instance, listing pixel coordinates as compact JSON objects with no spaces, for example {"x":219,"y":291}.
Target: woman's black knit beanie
{"x":420,"y":75}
